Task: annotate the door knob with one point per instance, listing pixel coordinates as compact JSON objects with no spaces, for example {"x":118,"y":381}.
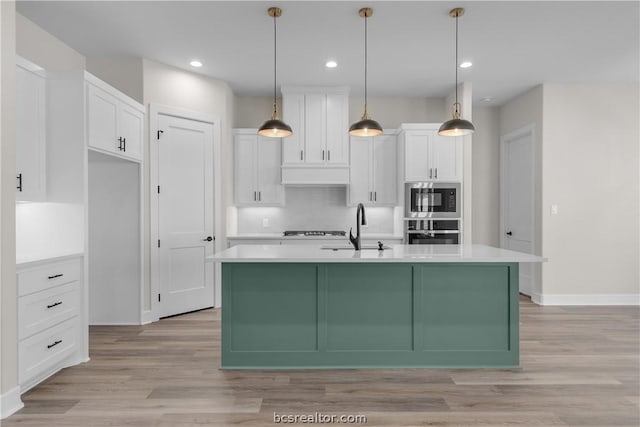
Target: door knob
{"x":208,"y":239}
{"x":509,"y":233}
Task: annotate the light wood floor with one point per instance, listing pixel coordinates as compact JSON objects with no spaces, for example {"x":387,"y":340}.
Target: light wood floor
{"x":580,"y":367}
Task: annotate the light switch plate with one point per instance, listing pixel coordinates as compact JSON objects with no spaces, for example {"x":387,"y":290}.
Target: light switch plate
{"x":554,"y":209}
{"x":265,"y":222}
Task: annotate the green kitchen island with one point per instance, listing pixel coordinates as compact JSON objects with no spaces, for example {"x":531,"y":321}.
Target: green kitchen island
{"x":305,"y":307}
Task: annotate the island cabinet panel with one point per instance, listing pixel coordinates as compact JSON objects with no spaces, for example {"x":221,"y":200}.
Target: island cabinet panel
{"x":369,"y":309}
{"x":288,"y":315}
{"x":272,"y":311}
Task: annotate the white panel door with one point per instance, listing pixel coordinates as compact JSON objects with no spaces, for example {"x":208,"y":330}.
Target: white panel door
{"x":315,"y":128}
{"x":444,"y":158}
{"x":130,"y":123}
{"x":103,"y":120}
{"x":517,"y":203}
{"x":385,"y":186}
{"x":270,"y":189}
{"x":337,"y":129}
{"x":293,"y":115}
{"x":185,"y":215}
{"x":360,"y":174}
{"x":245,"y":161}
{"x":417,"y":155}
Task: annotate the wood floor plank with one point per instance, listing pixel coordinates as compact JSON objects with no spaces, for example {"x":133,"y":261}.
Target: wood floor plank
{"x":579,"y":367}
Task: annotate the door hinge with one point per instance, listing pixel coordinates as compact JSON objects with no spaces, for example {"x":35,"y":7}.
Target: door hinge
{"x":160,"y":132}
{"x":158,"y":189}
{"x":158,"y":242}
{"x":158,"y":297}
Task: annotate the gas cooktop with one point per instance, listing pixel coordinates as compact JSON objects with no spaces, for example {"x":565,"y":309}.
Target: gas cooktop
{"x":313,"y":233}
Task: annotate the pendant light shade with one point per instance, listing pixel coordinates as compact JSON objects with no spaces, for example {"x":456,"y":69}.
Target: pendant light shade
{"x":456,"y":126}
{"x":366,"y":126}
{"x":274,"y":127}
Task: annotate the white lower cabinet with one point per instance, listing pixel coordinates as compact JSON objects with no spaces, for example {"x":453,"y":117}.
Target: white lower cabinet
{"x":52,"y":332}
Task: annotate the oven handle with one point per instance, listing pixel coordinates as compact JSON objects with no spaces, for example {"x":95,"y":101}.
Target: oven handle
{"x":432,"y":232}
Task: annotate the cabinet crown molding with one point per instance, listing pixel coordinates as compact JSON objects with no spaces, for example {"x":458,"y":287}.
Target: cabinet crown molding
{"x":340,"y":90}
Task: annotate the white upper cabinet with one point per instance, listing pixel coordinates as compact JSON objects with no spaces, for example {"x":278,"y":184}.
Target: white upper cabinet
{"x":373,"y":170}
{"x":30,"y":132}
{"x":257,"y":169}
{"x":115,"y":121}
{"x":430,"y":157}
{"x":318,"y":150}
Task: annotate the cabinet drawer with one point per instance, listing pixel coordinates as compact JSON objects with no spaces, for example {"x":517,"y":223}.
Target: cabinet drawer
{"x":40,"y":310}
{"x":48,"y":276}
{"x":43,"y":350}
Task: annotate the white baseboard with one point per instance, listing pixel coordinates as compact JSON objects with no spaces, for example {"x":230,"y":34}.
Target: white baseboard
{"x":586,"y":299}
{"x":10,"y":402}
{"x":148,"y":317}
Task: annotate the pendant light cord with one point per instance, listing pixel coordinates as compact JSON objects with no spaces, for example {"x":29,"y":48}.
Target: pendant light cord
{"x":456,"y":105}
{"x":275,"y":71}
{"x":365,"y":115}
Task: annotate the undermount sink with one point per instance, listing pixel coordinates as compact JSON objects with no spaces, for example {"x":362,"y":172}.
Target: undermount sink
{"x":350,"y":247}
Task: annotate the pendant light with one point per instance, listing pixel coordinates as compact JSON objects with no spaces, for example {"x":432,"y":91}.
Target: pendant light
{"x":456,"y":126}
{"x":366,"y":126}
{"x":274,"y":127}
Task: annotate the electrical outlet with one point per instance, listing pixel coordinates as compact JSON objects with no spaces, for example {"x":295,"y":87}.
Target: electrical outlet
{"x":265,"y":222}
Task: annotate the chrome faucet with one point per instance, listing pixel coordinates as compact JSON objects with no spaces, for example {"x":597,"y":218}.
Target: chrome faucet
{"x":355,"y":241}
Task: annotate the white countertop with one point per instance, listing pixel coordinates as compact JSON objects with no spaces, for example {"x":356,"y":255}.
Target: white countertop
{"x":280,"y":236}
{"x":397,"y":253}
{"x":32,"y":259}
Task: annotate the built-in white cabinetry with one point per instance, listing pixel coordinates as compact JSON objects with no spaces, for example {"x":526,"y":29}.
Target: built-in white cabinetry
{"x":115,"y":122}
{"x":318,"y":150}
{"x":428,"y":156}
{"x":231,"y":241}
{"x":257,"y":169}
{"x":52,"y":327}
{"x":30,"y":131}
{"x":373,"y":172}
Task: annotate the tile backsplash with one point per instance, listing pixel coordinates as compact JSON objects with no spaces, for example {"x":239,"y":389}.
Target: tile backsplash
{"x":312,"y":208}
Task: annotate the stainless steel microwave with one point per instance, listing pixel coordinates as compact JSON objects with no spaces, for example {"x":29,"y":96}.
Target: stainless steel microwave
{"x":432,"y":200}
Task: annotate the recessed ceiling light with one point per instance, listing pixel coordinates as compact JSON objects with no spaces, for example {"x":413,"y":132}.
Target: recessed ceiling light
{"x":487,"y":99}
{"x":195,"y":63}
{"x":331,"y":64}
{"x":466,"y":64}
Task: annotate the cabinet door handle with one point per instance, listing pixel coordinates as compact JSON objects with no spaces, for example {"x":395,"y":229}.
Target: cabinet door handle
{"x":436,"y":173}
{"x":255,"y":196}
{"x":322,"y":154}
{"x":301,"y":154}
{"x":430,"y":172}
{"x":55,"y":343}
{"x":120,"y":143}
{"x":259,"y":196}
{"x":124,"y":144}
{"x":329,"y":155}
{"x":54,"y":304}
{"x":55,"y":276}
{"x":19,"y":187}
{"x":375,"y":196}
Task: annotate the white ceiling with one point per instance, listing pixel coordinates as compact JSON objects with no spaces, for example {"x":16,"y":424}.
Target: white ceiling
{"x":513,"y":45}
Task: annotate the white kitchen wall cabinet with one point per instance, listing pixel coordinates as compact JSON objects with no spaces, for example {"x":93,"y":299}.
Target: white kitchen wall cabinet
{"x":52,"y":326}
{"x":115,"y":121}
{"x":428,"y":156}
{"x":373,"y":172}
{"x":257,"y":169}
{"x":318,"y":150}
{"x":30,"y":131}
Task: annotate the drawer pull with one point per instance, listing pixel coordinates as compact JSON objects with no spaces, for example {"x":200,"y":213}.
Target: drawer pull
{"x":54,"y":344}
{"x":54,"y":304}
{"x":55,"y":276}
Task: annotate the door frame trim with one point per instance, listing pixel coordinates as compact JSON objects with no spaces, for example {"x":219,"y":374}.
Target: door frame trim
{"x":155,"y":110}
{"x":530,"y":130}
